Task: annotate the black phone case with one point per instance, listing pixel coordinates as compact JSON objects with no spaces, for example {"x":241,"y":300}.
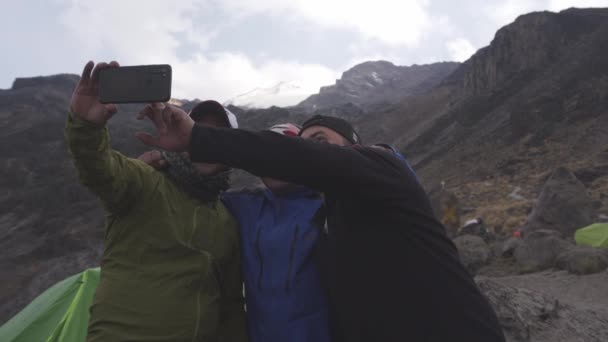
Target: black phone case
{"x":135,"y":84}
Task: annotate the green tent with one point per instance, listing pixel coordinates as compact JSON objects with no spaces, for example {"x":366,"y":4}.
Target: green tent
{"x":595,"y":235}
{"x":60,"y":313}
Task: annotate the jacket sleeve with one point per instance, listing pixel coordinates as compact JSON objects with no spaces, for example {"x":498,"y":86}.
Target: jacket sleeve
{"x":114,"y":178}
{"x":343,"y":170}
{"x":232,"y":326}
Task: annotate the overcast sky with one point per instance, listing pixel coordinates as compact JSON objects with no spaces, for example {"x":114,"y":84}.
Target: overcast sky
{"x":221,"y":48}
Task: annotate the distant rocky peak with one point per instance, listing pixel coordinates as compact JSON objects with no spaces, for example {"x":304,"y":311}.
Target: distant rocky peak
{"x":371,"y":83}
{"x":529,"y":43}
{"x":369,"y":68}
{"x":64,"y":81}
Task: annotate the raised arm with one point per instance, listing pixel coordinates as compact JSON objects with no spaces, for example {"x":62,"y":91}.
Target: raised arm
{"x":348,"y":171}
{"x":114,"y":178}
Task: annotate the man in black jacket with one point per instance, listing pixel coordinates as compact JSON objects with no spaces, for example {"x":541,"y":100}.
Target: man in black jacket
{"x":392,"y":273}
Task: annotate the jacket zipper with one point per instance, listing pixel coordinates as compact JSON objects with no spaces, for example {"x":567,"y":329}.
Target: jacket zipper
{"x":259,"y":252}
{"x":292,"y":251}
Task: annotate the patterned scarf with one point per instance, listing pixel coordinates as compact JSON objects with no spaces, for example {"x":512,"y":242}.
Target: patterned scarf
{"x":184,"y":174}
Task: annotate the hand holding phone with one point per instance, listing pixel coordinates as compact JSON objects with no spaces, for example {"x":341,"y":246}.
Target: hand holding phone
{"x":85,"y":102}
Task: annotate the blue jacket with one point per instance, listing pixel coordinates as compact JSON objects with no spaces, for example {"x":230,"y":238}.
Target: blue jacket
{"x":283,"y":292}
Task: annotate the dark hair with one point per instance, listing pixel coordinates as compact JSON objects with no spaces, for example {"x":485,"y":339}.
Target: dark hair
{"x":209,"y":107}
{"x":340,"y":126}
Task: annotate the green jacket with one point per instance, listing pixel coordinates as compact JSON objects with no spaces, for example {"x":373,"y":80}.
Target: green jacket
{"x":171,"y":265}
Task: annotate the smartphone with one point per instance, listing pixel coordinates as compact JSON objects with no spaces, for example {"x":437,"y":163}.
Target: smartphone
{"x":135,"y":84}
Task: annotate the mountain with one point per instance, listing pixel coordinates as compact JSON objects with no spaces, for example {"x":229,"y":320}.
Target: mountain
{"x":533,"y":100}
{"x":366,"y":85}
{"x":283,"y":94}
{"x":365,"y":90}
{"x":378,"y":83}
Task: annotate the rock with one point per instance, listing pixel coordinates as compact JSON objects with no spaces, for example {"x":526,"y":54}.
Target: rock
{"x":514,"y":195}
{"x":474,"y":252}
{"x":476,"y":227}
{"x":583,"y":260}
{"x":563,"y":205}
{"x":539,"y":250}
{"x":533,"y":316}
{"x":447,"y":208}
{"x":508,"y":247}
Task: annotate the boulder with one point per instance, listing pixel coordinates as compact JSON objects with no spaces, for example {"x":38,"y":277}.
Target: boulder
{"x":539,"y":249}
{"x":507,"y":248}
{"x":563,"y":205}
{"x":583,"y":260}
{"x":533,"y":316}
{"x":478,"y":228}
{"x":474,"y":252}
{"x":447,"y":209}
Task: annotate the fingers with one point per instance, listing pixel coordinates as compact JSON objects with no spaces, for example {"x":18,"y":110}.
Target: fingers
{"x":155,"y":106}
{"x":157,"y":159}
{"x":153,"y":158}
{"x":111,"y":109}
{"x":173,"y":115}
{"x":168,"y":115}
{"x":154,"y":113}
{"x":148,"y":139}
{"x":86,"y":72}
{"x":142,"y":113}
{"x":95,"y":74}
{"x":145,"y":157}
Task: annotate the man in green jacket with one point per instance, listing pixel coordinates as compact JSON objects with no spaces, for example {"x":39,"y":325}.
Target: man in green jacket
{"x":171,"y":265}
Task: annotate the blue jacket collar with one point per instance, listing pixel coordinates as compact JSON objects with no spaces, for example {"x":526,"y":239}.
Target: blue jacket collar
{"x":299,"y":192}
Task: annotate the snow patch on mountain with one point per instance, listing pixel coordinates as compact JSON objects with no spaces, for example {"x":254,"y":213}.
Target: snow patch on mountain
{"x":283,"y":94}
{"x":377,"y":78}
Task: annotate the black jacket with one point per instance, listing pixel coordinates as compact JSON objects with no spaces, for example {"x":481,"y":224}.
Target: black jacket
{"x":393,"y":275}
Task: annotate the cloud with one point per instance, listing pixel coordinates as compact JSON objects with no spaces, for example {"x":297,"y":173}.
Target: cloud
{"x":228,"y":74}
{"x":221,"y":48}
{"x":460,"y":49}
{"x":393,"y":22}
{"x":113,"y":31}
{"x":507,"y":11}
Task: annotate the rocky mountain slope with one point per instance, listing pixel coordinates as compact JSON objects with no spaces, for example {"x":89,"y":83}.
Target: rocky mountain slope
{"x":533,"y":100}
{"x":373,"y":84}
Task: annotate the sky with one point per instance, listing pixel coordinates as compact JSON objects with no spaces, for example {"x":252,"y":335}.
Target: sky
{"x":221,"y":48}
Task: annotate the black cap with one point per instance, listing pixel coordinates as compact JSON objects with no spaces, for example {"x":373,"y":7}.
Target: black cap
{"x":212,"y":108}
{"x":340,"y":126}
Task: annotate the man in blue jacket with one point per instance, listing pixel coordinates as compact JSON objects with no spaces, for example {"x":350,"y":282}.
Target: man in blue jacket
{"x":284,"y":296}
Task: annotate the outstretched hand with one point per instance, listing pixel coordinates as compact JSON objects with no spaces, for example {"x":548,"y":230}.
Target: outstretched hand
{"x":85,"y":98}
{"x":173,"y":126}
